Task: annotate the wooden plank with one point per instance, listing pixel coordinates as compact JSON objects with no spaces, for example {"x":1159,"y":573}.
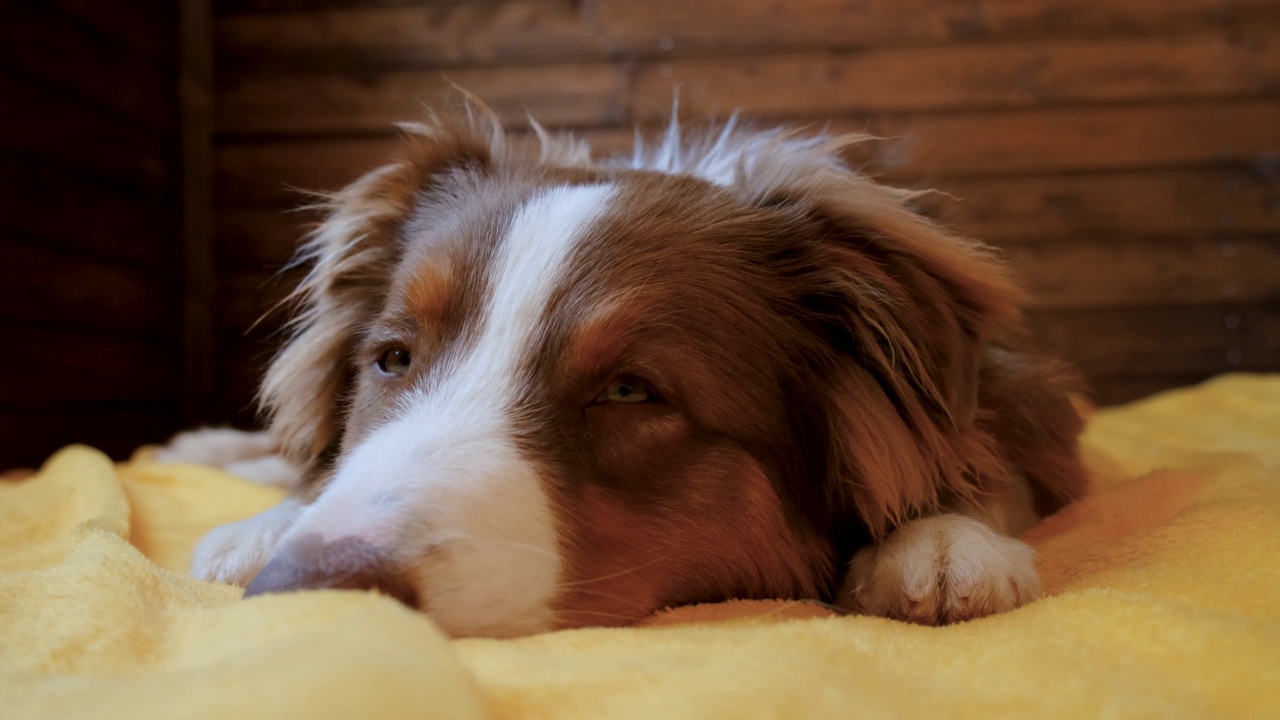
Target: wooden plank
{"x":260,"y":238}
{"x":1199,"y":203}
{"x":929,"y":149}
{"x":1021,"y":74}
{"x":407,"y":37}
{"x":1163,"y":341}
{"x":350,"y":103}
{"x":1088,"y":274}
{"x":44,"y":126}
{"x":714,"y":27}
{"x":148,"y":29}
{"x":983,"y":144}
{"x":28,"y":437}
{"x":47,"y":47}
{"x":250,"y":302}
{"x":48,"y":367}
{"x":195,"y":98}
{"x":38,"y":286}
{"x":274,"y":173}
{"x":60,"y":210}
{"x":242,"y":362}
{"x":237,"y":7}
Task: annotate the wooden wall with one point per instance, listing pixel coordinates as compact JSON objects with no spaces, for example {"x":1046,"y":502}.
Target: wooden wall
{"x":1126,"y":153}
{"x":89,"y":283}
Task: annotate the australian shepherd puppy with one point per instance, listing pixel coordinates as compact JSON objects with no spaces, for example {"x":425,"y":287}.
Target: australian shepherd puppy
{"x":527,"y":389}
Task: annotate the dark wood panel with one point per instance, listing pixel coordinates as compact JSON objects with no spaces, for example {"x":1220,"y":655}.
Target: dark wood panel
{"x":330,"y":35}
{"x":60,"y":210}
{"x":233,"y":7}
{"x":1203,"y":202}
{"x":713,"y":26}
{"x":555,"y":95}
{"x":42,"y":45}
{"x":28,"y":437}
{"x":44,"y":126}
{"x":1019,"y":74}
{"x":1073,"y":139}
{"x":195,"y":99}
{"x":260,"y":238}
{"x":932,"y":149}
{"x":242,"y":362}
{"x":39,"y":286}
{"x":149,"y":29}
{"x":252,"y":303}
{"x":407,"y":37}
{"x":1165,"y":341}
{"x":274,"y":173}
{"x":47,"y":367}
{"x":1089,"y":274}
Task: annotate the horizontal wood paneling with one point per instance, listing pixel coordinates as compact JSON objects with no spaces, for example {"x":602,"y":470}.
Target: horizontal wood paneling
{"x":1172,"y":272}
{"x":44,"y":366}
{"x":559,"y":95}
{"x":65,"y":291}
{"x":58,"y":209}
{"x":389,"y":35}
{"x":1200,"y":202}
{"x":1023,"y":74}
{"x":39,"y":43}
{"x":148,"y":29}
{"x":46,"y":126}
{"x":1163,"y":341}
{"x":753,"y":26}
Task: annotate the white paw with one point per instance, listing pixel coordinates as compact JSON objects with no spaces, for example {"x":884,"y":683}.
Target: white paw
{"x":939,"y":570}
{"x":215,"y":447}
{"x":233,"y":554}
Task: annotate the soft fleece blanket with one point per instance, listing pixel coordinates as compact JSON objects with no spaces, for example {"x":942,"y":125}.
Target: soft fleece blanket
{"x":1163,"y":600}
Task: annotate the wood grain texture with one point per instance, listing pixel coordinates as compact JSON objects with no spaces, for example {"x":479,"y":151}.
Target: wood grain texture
{"x":555,"y":95}
{"x":45,"y":46}
{"x":755,"y":26}
{"x":38,"y":286}
{"x":43,"y":125}
{"x":29,"y":436}
{"x":1020,"y":74}
{"x":63,"y":211}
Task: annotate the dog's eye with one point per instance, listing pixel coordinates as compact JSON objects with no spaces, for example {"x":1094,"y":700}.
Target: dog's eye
{"x":626,"y":389}
{"x":393,"y":361}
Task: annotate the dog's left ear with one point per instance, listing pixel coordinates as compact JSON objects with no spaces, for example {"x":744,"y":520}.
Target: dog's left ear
{"x":908,"y":312}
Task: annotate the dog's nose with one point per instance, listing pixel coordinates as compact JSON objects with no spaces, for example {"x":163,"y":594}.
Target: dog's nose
{"x":350,"y":564}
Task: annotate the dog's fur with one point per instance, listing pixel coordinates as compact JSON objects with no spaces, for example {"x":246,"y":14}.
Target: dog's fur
{"x":532,"y":390}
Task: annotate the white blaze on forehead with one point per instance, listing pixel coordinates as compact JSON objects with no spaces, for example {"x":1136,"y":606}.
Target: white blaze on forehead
{"x":443,"y":488}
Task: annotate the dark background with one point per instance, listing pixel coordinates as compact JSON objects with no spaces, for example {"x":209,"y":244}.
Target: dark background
{"x":1126,"y":154}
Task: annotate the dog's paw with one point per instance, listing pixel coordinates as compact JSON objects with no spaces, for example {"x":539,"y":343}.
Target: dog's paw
{"x":233,"y":554}
{"x":215,"y":447}
{"x":940,"y":570}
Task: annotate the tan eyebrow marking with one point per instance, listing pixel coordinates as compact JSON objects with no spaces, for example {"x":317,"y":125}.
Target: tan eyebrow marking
{"x":428,"y":291}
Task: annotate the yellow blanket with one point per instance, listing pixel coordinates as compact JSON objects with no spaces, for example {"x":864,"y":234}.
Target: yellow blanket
{"x":1163,"y":601}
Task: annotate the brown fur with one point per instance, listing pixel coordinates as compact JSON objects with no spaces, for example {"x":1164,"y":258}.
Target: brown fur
{"x":832,"y":364}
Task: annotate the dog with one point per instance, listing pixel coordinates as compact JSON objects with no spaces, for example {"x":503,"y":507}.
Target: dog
{"x":525,"y":390}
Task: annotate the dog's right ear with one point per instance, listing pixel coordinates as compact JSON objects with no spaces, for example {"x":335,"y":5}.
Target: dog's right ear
{"x":351,"y":257}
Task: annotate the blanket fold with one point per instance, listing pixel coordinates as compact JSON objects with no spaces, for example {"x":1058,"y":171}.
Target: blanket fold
{"x":1162,"y":600}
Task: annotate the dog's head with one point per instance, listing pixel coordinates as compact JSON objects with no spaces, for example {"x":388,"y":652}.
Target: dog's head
{"x":543,"y":391}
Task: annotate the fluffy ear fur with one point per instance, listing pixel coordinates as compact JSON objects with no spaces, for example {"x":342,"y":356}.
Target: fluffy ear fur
{"x":923,"y":324}
{"x":351,"y":256}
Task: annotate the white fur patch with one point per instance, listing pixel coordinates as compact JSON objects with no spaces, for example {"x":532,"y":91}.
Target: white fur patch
{"x":234,"y":553}
{"x":443,"y":487}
